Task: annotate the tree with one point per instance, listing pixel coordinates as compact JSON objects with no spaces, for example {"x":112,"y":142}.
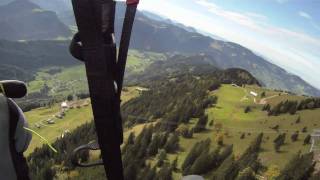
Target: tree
{"x":202,"y":162}
{"x":130,"y":172}
{"x":293,"y":108}
{"x":154,"y":145}
{"x":211,"y":123}
{"x":226,"y":170}
{"x":294,"y":136}
{"x":161,"y":158}
{"x":174,"y":165}
{"x":298,"y":120}
{"x":172,"y":144}
{"x":250,"y":157}
{"x":279,"y":141}
{"x":307,"y":140}
{"x":305,"y":129}
{"x":193,"y":154}
{"x":70,"y":97}
{"x":190,"y":133}
{"x":266,"y":107}
{"x":299,"y":167}
{"x":131,"y":138}
{"x":247,"y":109}
{"x":201,"y":124}
{"x":243,"y":135}
{"x":151,"y":174}
{"x":165,"y":173}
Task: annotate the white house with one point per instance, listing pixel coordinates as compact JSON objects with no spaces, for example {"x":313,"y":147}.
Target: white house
{"x":254,"y":93}
{"x":64,"y":105}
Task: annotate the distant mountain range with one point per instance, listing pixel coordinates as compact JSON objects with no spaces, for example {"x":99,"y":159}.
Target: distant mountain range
{"x":164,"y":37}
{"x":24,"y":20}
{"x":157,"y":34}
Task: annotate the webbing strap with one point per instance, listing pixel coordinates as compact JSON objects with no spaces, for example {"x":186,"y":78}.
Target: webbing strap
{"x":95,"y":20}
{"x":95,"y":23}
{"x":124,"y":43}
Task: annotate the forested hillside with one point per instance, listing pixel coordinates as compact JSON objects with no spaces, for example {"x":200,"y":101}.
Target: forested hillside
{"x":22,"y":60}
{"x":183,"y":124}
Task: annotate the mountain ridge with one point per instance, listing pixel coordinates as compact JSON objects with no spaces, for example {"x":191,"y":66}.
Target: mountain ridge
{"x":166,"y":37}
{"x":24,"y":20}
{"x":163,"y":37}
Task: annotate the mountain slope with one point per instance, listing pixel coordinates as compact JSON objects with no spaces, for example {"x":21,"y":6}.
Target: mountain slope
{"x":197,"y":65}
{"x":24,"y":20}
{"x":21,"y":60}
{"x":163,"y":37}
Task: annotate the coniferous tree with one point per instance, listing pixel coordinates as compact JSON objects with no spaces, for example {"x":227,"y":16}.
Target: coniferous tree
{"x":250,"y":157}
{"x":174,"y":165}
{"x":172,"y":144}
{"x":294,"y":136}
{"x":307,"y":140}
{"x":163,"y":139}
{"x":211,"y":123}
{"x":226,"y":170}
{"x":298,"y":120}
{"x":293,"y":108}
{"x":190,"y":133}
{"x":165,"y":173}
{"x":194,"y":154}
{"x":202,"y":162}
{"x":130,"y":172}
{"x":161,"y":158}
{"x":201,"y":124}
{"x":131,"y":138}
{"x":279,"y":141}
{"x":154,"y":145}
{"x":151,"y":175}
{"x":247,"y":109}
{"x":300,"y":167}
{"x":304,"y":130}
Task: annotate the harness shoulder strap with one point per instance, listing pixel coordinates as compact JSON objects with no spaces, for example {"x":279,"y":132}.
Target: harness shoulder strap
{"x":19,"y":161}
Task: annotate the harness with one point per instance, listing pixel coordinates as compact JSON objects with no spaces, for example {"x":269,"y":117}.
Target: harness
{"x":95,"y":45}
{"x":14,"y":166}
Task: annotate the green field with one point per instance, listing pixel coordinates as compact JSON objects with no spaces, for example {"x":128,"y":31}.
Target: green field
{"x":72,"y":80}
{"x":80,"y":114}
{"x":229,"y":112}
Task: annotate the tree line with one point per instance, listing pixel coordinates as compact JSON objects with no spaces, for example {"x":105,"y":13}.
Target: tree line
{"x":292,"y":107}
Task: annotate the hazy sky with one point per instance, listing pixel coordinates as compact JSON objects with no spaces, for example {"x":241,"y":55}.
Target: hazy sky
{"x":287,"y":32}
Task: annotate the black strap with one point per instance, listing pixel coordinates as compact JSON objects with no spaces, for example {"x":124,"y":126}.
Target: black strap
{"x":95,"y":23}
{"x":124,"y":44}
{"x":19,"y":161}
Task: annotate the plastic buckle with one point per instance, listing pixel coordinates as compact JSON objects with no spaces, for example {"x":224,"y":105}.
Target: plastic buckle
{"x":132,"y":2}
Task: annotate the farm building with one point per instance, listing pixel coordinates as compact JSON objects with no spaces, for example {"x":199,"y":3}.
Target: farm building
{"x":254,"y":93}
{"x":50,"y":121}
{"x":140,"y":89}
{"x":64,"y":105}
